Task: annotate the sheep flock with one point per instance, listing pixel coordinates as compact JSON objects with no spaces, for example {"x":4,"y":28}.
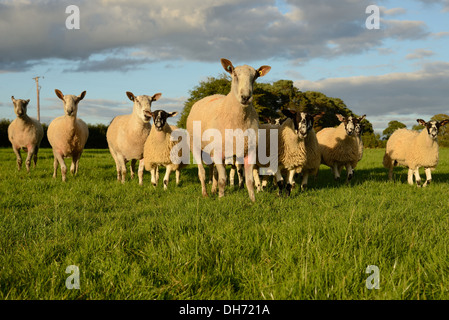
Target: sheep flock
{"x":277,"y":148}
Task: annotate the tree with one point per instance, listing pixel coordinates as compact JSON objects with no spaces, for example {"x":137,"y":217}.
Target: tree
{"x":392,"y":127}
{"x":270,"y":99}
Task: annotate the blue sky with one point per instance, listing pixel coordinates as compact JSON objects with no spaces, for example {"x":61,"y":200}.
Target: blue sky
{"x":400,"y":72}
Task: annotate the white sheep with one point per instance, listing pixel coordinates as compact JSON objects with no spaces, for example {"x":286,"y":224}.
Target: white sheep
{"x":341,"y":146}
{"x":67,"y":134}
{"x":126,"y":135}
{"x":413,"y":150}
{"x":158,"y":148}
{"x":231,"y":112}
{"x":25,"y":133}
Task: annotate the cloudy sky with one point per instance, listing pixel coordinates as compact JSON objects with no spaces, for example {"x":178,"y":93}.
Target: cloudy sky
{"x":397,"y":72}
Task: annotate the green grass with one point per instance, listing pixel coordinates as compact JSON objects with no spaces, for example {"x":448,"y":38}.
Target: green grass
{"x":134,"y":242}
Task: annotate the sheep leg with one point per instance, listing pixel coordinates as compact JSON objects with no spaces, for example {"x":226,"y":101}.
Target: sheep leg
{"x":141,"y":168}
{"x":214,"y":177}
{"x":290,"y":179}
{"x":19,"y":157}
{"x":410,"y":176}
{"x":60,"y":159}
{"x":249,"y":179}
{"x":122,"y":167}
{"x":232,"y":176}
{"x":117,"y":164}
{"x":74,"y":165}
{"x":29,"y":156}
{"x":240,"y":175}
{"x":132,"y":168}
{"x":305,"y":178}
{"x":390,"y":173}
{"x":428,"y":177}
{"x":211,"y":174}
{"x":280,"y":182}
{"x":178,"y":173}
{"x":336,"y":171}
{"x":154,"y":175}
{"x":417,"y":177}
{"x":256,"y":179}
{"x":36,"y":149}
{"x":55,"y":165}
{"x":168,"y":170}
{"x":350,"y":172}
{"x":221,"y":178}
{"x":202,"y":177}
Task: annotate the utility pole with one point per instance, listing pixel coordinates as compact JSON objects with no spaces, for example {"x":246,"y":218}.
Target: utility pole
{"x":38,"y":107}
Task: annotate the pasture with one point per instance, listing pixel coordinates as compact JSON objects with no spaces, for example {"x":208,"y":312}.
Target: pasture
{"x":135,"y":242}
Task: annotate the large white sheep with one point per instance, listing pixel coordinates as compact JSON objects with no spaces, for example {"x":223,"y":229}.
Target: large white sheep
{"x":127,"y":134}
{"x":341,"y":146}
{"x":234,"y":111}
{"x":68,"y":134}
{"x":413,"y":150}
{"x":158,"y":148}
{"x":25,"y":133}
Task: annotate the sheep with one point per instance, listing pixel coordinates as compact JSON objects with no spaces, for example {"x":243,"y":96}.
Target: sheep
{"x":341,"y":146}
{"x":25,"y":133}
{"x":68,"y":134}
{"x":303,"y":123}
{"x":126,"y":135}
{"x":414,"y":149}
{"x":158,"y":148}
{"x":235,"y":111}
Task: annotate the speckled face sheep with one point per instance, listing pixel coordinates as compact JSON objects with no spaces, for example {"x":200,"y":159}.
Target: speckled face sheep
{"x":298,"y":148}
{"x":68,"y":134}
{"x":127,"y":134}
{"x":25,"y":133}
{"x":341,"y":147}
{"x":413,"y":150}
{"x":158,"y":148}
{"x":234,"y":111}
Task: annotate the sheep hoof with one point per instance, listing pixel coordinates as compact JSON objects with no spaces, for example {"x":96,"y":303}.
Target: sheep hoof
{"x":288,"y":189}
{"x":281,"y":187}
{"x":418,"y":183}
{"x":427,"y":183}
{"x":350,"y":177}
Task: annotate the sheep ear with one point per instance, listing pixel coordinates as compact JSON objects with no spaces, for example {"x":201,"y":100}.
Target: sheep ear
{"x":27,"y":101}
{"x":289,"y":113}
{"x":362,"y":117}
{"x":421,"y":122}
{"x":130,"y":95}
{"x":443,"y":122}
{"x":340,"y":117}
{"x":172,"y":114}
{"x":156,"y":97}
{"x":81,"y":96}
{"x":263,"y":70}
{"x":59,"y":94}
{"x":13,"y":100}
{"x":227,"y":65}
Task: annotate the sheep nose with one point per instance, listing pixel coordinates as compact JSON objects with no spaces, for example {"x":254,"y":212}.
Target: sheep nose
{"x":245,"y":98}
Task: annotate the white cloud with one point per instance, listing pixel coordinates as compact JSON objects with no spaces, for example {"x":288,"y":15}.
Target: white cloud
{"x":194,"y":30}
{"x":389,"y":96}
{"x":420,"y":54}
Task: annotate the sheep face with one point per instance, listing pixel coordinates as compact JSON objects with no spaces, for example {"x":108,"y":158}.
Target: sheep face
{"x":70,"y":102}
{"x":160,"y":118}
{"x":142,"y":105}
{"x":352,"y":124}
{"x":20,"y":106}
{"x":432,"y":126}
{"x":302,"y":121}
{"x":243,"y":78}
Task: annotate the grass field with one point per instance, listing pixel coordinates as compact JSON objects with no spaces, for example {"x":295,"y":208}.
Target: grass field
{"x":134,"y":242}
